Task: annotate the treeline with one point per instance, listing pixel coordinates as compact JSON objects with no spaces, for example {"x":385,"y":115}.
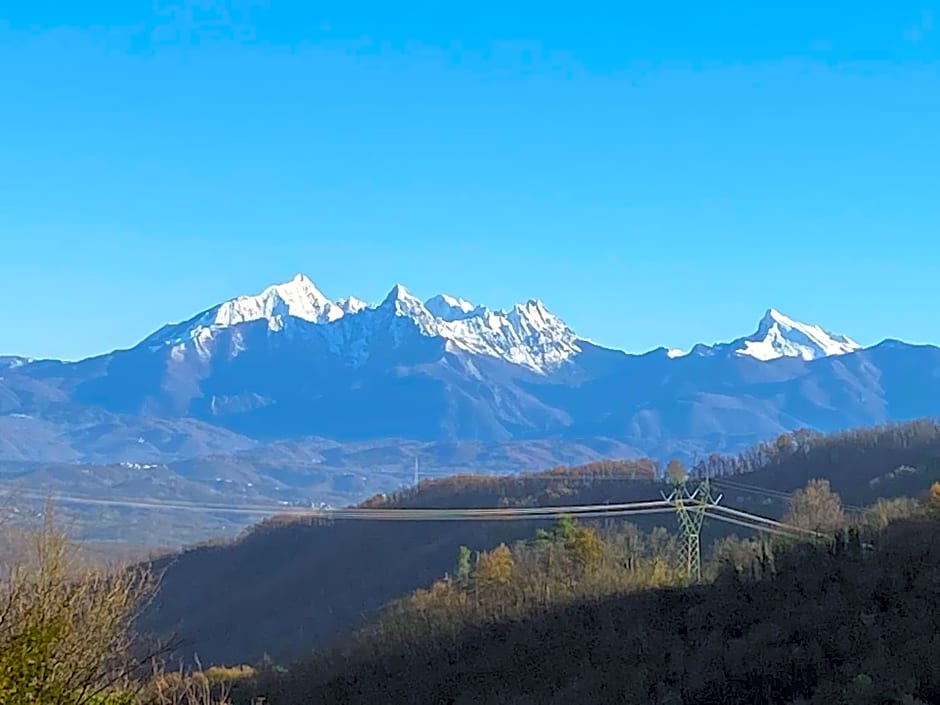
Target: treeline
{"x":861,"y":464}
{"x":578,"y":615}
{"x":556,"y":566}
{"x":542,"y":488}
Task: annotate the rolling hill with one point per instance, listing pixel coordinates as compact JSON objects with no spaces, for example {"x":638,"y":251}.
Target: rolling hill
{"x":293,"y":584}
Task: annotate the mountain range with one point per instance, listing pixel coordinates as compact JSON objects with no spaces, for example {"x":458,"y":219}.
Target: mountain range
{"x":291,"y":365}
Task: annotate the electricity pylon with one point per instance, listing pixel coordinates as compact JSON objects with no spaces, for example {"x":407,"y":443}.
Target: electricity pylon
{"x":690,"y":511}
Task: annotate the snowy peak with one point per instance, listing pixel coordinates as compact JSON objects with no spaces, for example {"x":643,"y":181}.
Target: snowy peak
{"x":534,"y":314}
{"x":352,"y":305}
{"x":403,"y":303}
{"x":449,"y":308}
{"x":280,"y":304}
{"x":299,"y":298}
{"x":400,"y":295}
{"x":779,"y":335}
{"x":528,"y":334}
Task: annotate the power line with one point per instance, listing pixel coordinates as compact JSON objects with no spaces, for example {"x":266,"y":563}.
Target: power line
{"x":478,"y":513}
{"x":457,"y":515}
{"x":765,"y":520}
{"x":753,"y":526}
{"x":775,"y":494}
{"x":494,"y":513}
{"x":691,"y":506}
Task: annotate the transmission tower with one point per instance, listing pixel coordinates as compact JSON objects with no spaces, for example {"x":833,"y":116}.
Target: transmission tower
{"x":690,"y":512}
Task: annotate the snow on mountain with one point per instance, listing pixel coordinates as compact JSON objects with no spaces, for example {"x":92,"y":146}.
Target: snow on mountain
{"x":527,"y":335}
{"x":449,"y":308}
{"x":403,"y":303}
{"x":11,"y":362}
{"x":299,"y":298}
{"x":778,"y":336}
{"x":352,"y":305}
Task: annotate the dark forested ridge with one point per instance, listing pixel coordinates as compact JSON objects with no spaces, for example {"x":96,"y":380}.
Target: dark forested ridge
{"x":861,"y":464}
{"x":851,"y":622}
{"x":291,"y":585}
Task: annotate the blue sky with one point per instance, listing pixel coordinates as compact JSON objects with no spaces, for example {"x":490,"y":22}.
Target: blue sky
{"x":657,"y":173}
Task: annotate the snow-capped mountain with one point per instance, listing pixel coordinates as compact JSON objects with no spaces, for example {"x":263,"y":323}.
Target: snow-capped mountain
{"x":527,"y":335}
{"x":279,"y":305}
{"x":449,"y":308}
{"x":291,"y":362}
{"x":352,"y":305}
{"x":778,"y":336}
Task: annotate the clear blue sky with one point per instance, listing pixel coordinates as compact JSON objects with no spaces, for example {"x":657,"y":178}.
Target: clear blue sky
{"x":657,"y":173}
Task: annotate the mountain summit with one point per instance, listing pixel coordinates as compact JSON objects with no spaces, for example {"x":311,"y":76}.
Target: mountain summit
{"x":278,"y":305}
{"x":778,"y":336}
{"x":527,"y":335}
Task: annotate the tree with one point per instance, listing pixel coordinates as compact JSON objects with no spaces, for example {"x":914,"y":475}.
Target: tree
{"x":933,"y":498}
{"x":543,"y":538}
{"x":463,"y":566}
{"x":816,"y":507}
{"x":675,"y":472}
{"x":65,"y":625}
{"x":586,"y":548}
{"x":783,"y":445}
{"x":495,"y":567}
{"x":884,"y":511}
{"x":564,"y":527}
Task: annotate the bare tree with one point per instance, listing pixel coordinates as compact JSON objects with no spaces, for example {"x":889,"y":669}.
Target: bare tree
{"x":816,"y":507}
{"x":66,"y":624}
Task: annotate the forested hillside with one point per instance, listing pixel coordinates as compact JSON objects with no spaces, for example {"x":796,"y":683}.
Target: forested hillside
{"x":847,"y":622}
{"x":290,"y":584}
{"x":861,"y":464}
